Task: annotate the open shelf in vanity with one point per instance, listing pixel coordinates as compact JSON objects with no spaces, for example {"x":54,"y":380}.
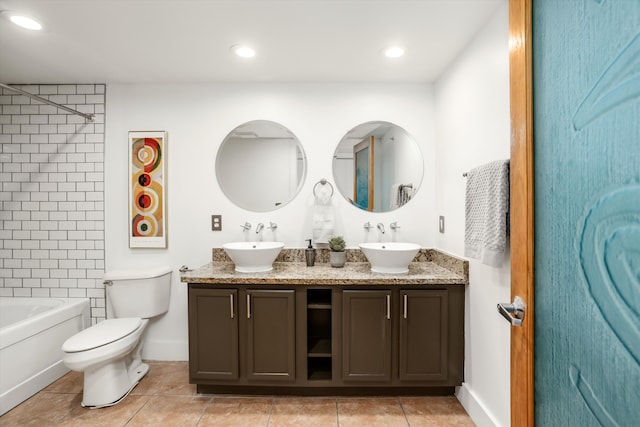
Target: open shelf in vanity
{"x":319,"y":325}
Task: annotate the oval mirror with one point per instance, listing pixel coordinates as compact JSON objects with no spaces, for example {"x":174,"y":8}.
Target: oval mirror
{"x":378,"y":166}
{"x":260,"y":166}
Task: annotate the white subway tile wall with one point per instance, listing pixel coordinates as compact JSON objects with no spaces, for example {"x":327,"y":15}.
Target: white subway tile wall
{"x":52,"y":195}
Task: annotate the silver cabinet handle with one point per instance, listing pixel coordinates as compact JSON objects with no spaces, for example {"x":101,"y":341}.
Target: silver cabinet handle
{"x":404,"y":306}
{"x":231,"y":303}
{"x":248,"y":306}
{"x":514,"y":312}
{"x":388,"y":306}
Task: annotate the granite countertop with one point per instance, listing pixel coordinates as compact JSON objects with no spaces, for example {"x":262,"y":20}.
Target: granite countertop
{"x":429,"y":267}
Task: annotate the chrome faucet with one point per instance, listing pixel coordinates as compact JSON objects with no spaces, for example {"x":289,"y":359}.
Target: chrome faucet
{"x":368,"y":226}
{"x":380,"y":227}
{"x":246,"y":226}
{"x":259,"y":228}
{"x":394,"y":225}
{"x":272,"y":226}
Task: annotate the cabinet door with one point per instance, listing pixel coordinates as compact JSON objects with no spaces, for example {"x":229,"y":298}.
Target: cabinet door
{"x":213,"y":334}
{"x":366,"y":335}
{"x":424,"y":335}
{"x":271,"y":335}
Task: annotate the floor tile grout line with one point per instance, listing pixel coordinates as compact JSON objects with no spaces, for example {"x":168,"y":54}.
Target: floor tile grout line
{"x":403,"y":411}
{"x":204,"y":410}
{"x":273,"y":400}
{"x":137,"y":412}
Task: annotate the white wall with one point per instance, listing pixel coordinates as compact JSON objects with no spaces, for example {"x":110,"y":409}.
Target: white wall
{"x":472,"y":104}
{"x":198,"y":117}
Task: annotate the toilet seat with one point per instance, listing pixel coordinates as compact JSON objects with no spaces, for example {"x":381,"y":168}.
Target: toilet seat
{"x":103,"y":333}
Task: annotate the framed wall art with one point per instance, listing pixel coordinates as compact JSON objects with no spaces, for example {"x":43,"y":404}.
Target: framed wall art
{"x":148,"y":189}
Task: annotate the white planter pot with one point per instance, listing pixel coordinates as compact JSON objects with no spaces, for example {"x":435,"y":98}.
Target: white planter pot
{"x":337,"y":259}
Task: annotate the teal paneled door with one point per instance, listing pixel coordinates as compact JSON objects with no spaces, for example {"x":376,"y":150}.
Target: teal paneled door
{"x":586,"y":77}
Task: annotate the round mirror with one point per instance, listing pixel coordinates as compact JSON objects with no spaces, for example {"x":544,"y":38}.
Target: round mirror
{"x":378,"y":166}
{"x":260,"y":166}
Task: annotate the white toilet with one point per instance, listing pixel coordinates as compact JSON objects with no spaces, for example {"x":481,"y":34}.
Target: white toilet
{"x":109,"y":353}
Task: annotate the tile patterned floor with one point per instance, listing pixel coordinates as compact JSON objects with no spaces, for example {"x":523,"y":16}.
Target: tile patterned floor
{"x":165,"y":398}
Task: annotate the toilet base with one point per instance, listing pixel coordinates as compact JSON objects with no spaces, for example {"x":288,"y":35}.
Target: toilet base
{"x":109,"y":384}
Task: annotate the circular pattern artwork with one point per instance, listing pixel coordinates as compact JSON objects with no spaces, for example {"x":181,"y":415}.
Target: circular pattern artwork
{"x":147,"y":189}
{"x":147,"y":154}
{"x":144,"y":225}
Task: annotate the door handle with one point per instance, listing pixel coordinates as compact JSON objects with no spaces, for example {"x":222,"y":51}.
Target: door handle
{"x":388,"y":307}
{"x":231,"y":303}
{"x":514,"y":312}
{"x":404,"y":306}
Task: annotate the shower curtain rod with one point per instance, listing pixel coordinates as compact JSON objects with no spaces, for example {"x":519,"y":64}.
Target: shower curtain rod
{"x":89,"y":117}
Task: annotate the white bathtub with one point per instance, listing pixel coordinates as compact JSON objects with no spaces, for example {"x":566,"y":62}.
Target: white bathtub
{"x":32,"y":331}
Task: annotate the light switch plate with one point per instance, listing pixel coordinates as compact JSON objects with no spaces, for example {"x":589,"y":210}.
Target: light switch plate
{"x":216,"y":222}
{"x":441,"y":224}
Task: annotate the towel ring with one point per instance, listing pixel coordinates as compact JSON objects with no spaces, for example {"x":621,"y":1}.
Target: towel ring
{"x":323,"y":182}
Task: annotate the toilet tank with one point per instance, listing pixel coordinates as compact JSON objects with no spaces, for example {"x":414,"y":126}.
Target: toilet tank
{"x":138,"y":293}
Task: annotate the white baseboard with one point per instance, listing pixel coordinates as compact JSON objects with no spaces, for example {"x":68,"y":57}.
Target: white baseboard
{"x":162,"y":350}
{"x":480,"y":415}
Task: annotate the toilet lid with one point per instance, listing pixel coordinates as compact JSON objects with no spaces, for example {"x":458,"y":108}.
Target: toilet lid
{"x":101,"y":334}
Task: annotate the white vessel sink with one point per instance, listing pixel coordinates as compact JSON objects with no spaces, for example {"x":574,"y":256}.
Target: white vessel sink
{"x":390,"y":257}
{"x":253,"y":257}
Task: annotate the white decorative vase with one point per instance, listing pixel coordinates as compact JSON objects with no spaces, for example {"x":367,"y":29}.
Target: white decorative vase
{"x":337,"y":259}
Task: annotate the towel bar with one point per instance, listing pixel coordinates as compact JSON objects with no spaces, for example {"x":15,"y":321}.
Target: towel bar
{"x":323,"y":182}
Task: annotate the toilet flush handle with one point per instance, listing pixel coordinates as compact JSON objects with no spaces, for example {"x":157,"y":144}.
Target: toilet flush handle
{"x":108,"y":282}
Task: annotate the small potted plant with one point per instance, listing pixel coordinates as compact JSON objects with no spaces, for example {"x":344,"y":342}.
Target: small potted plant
{"x":337,"y":254}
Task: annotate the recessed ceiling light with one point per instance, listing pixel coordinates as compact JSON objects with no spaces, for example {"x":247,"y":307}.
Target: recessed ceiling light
{"x":23,"y":21}
{"x":393,"y":52}
{"x":243,"y":51}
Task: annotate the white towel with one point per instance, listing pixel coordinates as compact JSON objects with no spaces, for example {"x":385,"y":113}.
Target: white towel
{"x":322,"y":214}
{"x":486,"y":212}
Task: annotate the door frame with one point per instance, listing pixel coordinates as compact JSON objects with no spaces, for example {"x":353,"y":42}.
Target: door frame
{"x":522,"y":214}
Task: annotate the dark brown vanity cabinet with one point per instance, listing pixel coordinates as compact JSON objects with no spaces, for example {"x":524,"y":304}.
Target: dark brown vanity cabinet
{"x":213,"y":334}
{"x":241,"y":334}
{"x":370,"y":346}
{"x":338,"y":339}
{"x":271,"y":329}
{"x":366,"y":335}
{"x":424,"y":335}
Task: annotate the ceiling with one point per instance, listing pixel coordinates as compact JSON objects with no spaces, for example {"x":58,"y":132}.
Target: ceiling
{"x":188,"y":41}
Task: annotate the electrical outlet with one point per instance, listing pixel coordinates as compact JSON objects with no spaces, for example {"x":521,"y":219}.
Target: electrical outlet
{"x":441,"y":224}
{"x":216,"y":222}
